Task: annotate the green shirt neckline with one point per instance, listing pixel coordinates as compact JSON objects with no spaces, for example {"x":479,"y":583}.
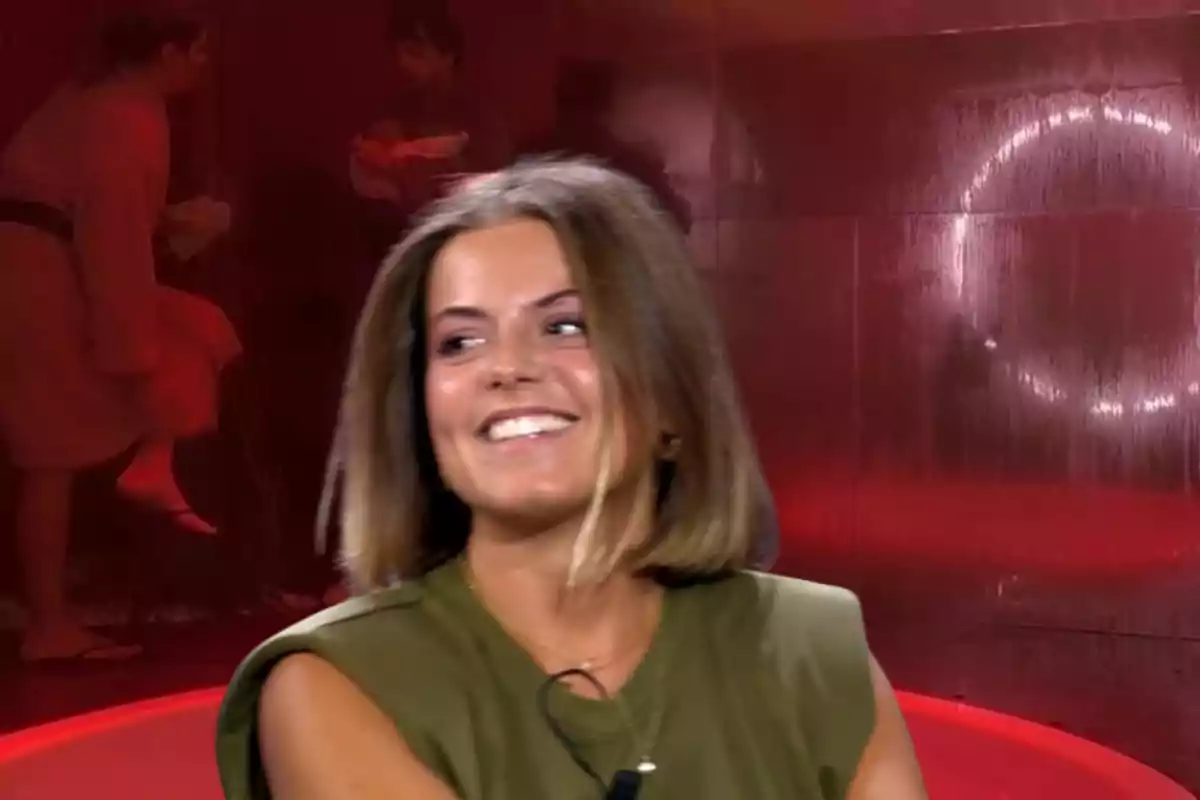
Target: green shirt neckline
{"x":588,"y":717}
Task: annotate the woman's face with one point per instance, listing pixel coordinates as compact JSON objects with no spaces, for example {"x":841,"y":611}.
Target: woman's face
{"x":513,"y":392}
{"x":422,"y":64}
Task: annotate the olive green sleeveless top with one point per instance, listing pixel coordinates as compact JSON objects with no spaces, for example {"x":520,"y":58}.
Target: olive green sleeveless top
{"x":755,"y":686}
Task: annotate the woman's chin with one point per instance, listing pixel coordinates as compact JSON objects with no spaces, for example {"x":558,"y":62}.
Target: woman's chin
{"x":532,"y":514}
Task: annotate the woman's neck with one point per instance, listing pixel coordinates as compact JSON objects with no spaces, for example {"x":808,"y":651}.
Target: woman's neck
{"x":523,"y":582}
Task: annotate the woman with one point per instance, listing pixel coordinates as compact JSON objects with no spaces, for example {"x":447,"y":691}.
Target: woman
{"x":550,"y":500}
{"x":97,"y":358}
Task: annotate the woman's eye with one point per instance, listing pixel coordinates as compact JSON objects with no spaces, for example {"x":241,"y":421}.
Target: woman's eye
{"x":455,"y":345}
{"x":567,"y":327}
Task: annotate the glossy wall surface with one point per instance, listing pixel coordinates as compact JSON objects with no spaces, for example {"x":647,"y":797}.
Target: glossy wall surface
{"x":959,"y":278}
{"x":962,"y":292}
{"x":958,"y":275}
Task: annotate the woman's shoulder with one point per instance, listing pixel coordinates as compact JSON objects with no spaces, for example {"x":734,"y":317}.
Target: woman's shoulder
{"x":348,"y":634}
{"x":807,"y":644}
{"x":358,"y":612}
{"x":793,"y":602}
{"x":382,"y":642}
{"x":809,"y":628}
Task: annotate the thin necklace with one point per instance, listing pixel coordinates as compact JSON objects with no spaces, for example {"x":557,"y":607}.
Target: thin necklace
{"x":589,"y":664}
{"x":641,"y":746}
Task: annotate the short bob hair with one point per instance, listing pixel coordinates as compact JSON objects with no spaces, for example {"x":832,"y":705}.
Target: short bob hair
{"x":657,"y":344}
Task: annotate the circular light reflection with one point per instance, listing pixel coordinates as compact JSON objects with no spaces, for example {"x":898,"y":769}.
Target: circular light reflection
{"x":1044,"y":386}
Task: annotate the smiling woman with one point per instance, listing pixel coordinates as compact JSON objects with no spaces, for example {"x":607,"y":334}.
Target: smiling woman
{"x":551,"y":506}
{"x":501,"y":319}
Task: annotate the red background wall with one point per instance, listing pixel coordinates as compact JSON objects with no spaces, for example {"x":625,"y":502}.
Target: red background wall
{"x":1023,"y":553}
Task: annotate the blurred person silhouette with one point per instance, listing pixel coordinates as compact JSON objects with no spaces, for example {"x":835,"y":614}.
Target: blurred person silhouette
{"x":430,"y":133}
{"x":585,"y":95}
{"x":100,"y":362}
{"x":431,"y":129}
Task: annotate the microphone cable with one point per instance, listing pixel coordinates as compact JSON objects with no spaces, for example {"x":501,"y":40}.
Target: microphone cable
{"x":626,"y":783}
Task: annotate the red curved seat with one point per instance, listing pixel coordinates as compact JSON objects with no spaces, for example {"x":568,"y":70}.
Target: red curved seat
{"x":163,"y":748}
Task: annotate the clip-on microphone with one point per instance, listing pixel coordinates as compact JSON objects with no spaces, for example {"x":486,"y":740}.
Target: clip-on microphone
{"x":625,"y":785}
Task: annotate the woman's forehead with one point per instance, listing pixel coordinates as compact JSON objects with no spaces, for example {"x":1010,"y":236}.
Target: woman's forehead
{"x":514,"y":263}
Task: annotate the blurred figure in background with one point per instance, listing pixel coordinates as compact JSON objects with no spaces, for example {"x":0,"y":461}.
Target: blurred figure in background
{"x":98,"y":361}
{"x":585,"y":96}
{"x":430,"y":133}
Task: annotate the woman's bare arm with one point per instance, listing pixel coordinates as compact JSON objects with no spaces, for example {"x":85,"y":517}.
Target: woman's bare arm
{"x":321,"y":738}
{"x":889,"y":768}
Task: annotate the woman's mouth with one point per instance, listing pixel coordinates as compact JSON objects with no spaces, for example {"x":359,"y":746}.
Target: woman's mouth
{"x":508,"y":427}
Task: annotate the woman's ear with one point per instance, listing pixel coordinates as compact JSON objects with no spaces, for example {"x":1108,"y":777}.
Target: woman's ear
{"x":668,"y":446}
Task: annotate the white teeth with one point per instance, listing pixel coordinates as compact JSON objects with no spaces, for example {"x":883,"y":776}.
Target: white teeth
{"x":516,"y":427}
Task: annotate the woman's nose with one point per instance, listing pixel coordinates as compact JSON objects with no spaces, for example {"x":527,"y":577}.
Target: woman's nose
{"x":514,"y":361}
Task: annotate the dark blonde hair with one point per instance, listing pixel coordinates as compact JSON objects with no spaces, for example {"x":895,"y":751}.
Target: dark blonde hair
{"x":653,"y":335}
